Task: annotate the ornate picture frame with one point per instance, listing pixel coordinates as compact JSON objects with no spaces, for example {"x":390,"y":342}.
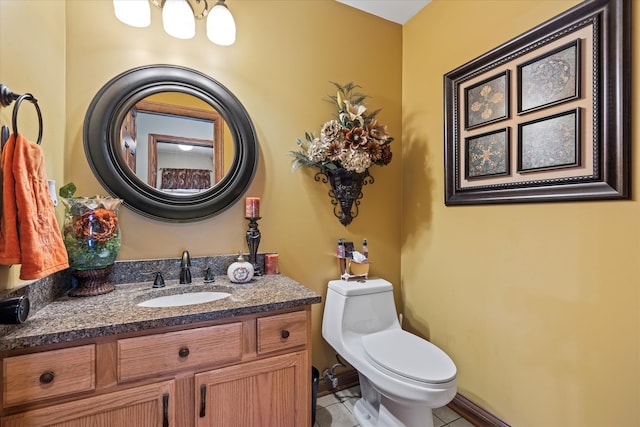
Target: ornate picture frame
{"x":549,"y":79}
{"x":549,"y":142}
{"x":487,"y":154}
{"x":487,"y":102}
{"x":567,"y":117}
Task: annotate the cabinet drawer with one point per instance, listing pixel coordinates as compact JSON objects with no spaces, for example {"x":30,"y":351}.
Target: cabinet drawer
{"x":282,"y":331}
{"x":158,"y":354}
{"x":37,"y":376}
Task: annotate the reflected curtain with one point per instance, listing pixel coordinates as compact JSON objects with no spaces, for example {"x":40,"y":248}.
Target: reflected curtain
{"x":185,"y":179}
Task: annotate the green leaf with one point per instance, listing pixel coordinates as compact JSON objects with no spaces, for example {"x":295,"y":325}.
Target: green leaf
{"x":68,"y":190}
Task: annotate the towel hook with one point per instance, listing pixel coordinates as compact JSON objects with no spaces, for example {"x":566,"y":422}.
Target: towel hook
{"x":14,"y":120}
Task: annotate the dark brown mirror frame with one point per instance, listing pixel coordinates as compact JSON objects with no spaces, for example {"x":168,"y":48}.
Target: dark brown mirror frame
{"x":101,"y":135}
{"x":611,"y":83}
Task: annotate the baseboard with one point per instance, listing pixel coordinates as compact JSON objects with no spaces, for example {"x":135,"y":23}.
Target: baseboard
{"x":474,"y":413}
{"x":470,"y":411}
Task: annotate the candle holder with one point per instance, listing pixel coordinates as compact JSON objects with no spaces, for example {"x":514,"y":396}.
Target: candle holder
{"x":253,"y":241}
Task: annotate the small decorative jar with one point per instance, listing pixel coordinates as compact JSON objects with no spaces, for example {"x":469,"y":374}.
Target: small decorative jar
{"x":91,"y":235}
{"x":240,"y":271}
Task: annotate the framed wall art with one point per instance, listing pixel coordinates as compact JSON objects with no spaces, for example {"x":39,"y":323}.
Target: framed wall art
{"x":550,"y":79}
{"x":487,"y":154}
{"x":488,"y":101}
{"x":549,"y":142}
{"x":544,"y":117}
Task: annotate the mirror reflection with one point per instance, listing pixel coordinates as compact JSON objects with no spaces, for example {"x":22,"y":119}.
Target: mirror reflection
{"x":130,"y":157}
{"x":176,"y":143}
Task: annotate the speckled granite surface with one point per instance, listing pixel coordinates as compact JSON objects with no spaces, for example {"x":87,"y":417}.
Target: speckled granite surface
{"x":143,"y":270}
{"x":67,"y":319}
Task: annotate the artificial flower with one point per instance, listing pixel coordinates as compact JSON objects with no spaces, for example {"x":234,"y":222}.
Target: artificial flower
{"x":354,"y":140}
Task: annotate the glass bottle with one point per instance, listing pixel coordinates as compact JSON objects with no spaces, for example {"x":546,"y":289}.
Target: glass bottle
{"x":342,"y":262}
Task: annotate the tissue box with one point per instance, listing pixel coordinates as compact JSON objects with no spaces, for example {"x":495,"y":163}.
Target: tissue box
{"x":357,"y":269}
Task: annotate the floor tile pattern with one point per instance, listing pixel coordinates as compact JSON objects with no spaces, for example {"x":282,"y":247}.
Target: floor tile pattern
{"x":336,"y":410}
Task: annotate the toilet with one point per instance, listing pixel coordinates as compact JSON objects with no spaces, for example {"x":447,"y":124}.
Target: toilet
{"x":402,"y":376}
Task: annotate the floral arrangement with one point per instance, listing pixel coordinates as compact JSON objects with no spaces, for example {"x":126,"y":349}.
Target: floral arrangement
{"x":354,"y":140}
{"x":91,"y":233}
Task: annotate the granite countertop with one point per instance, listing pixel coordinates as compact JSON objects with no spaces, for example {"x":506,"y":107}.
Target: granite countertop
{"x":68,"y":318}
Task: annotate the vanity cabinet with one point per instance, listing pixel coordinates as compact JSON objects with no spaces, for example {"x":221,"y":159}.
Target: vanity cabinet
{"x":248,"y":371}
{"x":260,"y":393}
{"x":265,"y":392}
{"x":144,"y":406}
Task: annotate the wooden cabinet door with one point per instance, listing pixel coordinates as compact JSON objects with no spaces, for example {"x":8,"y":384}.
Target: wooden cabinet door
{"x":272,"y":392}
{"x":145,"y":406}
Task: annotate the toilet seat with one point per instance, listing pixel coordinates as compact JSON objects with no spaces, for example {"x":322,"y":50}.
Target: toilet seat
{"x":409,"y":356}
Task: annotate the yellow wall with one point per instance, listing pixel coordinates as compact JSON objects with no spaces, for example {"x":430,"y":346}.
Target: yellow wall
{"x":281,"y":74}
{"x":32,"y":59}
{"x":538,"y":304}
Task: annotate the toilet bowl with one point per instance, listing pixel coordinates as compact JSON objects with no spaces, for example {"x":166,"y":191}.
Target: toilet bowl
{"x":402,"y":376}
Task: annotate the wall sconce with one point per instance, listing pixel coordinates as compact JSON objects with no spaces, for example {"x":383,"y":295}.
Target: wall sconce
{"x":178,"y":17}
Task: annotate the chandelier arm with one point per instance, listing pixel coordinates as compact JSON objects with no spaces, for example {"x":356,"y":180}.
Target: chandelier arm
{"x":200,"y":8}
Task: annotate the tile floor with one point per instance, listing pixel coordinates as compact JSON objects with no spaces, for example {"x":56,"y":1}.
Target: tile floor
{"x":336,"y":410}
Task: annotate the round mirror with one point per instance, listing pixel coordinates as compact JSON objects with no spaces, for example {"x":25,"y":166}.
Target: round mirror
{"x":173,"y":143}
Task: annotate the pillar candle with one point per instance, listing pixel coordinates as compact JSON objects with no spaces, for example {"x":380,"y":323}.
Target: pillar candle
{"x":252,"y":207}
{"x":271,"y":264}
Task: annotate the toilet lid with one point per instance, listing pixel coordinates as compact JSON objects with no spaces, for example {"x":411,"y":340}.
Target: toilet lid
{"x":409,"y":356}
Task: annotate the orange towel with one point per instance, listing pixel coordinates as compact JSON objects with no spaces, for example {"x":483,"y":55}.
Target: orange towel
{"x":9,"y":241}
{"x":42,"y":251}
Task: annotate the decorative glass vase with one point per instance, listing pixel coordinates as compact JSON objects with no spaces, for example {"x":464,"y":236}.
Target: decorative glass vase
{"x":91,"y":236}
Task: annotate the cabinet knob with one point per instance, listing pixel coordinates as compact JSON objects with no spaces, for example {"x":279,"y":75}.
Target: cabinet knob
{"x":184,"y":352}
{"x":46,"y":377}
{"x":284,"y":334}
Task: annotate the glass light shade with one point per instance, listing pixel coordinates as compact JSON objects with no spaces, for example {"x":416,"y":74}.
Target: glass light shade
{"x":136,"y":13}
{"x":178,"y":20}
{"x":221,"y":28}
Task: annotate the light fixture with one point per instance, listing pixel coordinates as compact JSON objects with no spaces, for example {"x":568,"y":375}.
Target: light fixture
{"x":136,"y":13}
{"x":178,"y":20}
{"x":221,"y":28}
{"x":178,"y":17}
{"x":185,"y":147}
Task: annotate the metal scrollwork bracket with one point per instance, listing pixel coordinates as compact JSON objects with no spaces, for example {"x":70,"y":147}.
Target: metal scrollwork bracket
{"x":345,"y":192}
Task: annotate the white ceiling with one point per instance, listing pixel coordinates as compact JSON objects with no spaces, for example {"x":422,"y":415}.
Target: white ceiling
{"x":398,"y":11}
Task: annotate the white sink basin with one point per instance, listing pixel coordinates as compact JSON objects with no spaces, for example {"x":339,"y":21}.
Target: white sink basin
{"x":183,"y":299}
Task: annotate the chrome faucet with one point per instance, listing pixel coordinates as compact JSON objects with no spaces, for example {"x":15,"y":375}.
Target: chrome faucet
{"x":185,"y":268}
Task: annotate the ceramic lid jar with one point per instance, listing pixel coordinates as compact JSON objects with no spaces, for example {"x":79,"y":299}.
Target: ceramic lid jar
{"x":240,"y":271}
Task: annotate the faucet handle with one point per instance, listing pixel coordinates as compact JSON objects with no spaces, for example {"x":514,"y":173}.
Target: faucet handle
{"x":208,"y":276}
{"x":158,"y":281}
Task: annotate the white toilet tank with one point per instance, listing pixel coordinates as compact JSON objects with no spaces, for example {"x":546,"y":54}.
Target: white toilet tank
{"x":358,"y":307}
